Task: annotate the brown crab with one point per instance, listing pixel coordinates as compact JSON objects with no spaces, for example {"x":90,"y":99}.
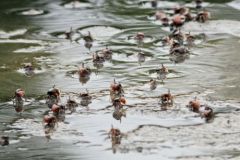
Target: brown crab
{"x":167,"y":98}
{"x":18,"y":100}
{"x":139,"y":36}
{"x":107,"y":53}
{"x":161,"y":16}
{"x":53,"y":96}
{"x":153,"y":84}
{"x":84,"y":71}
{"x":49,"y":120}
{"x":203,"y":16}
{"x":71,"y":104}
{"x":4,"y":141}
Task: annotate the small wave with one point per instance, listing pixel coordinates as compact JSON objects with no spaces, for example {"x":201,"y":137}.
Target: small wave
{"x":214,"y":27}
{"x":32,"y":12}
{"x":235,"y":4}
{"x":4,"y":34}
{"x":162,"y":4}
{"x":36,"y":71}
{"x":106,"y":31}
{"x":28,"y":41}
{"x":30,"y":49}
{"x":77,"y":4}
{"x":193,"y":5}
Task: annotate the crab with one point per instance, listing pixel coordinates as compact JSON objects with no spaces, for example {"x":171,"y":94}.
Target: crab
{"x":141,"y":57}
{"x":194,"y":105}
{"x":163,"y":71}
{"x":71,"y":104}
{"x":161,"y":16}
{"x":18,"y":100}
{"x":87,"y":37}
{"x":153,"y":84}
{"x":178,"y":51}
{"x":178,"y":20}
{"x":53,"y":96}
{"x":49,"y":121}
{"x":203,"y":16}
{"x":207,"y":113}
{"x":4,"y":141}
{"x":58,"y":110}
{"x":28,"y":69}
{"x":154,"y":3}
{"x":116,"y":88}
{"x":119,"y":102}
{"x":204,"y":110}
{"x":69,"y":34}
{"x":84,"y":71}
{"x":167,"y":98}
{"x":167,"y":40}
{"x":139,"y":36}
{"x":86,"y":98}
{"x":107,"y":53}
{"x":113,"y":133}
{"x":198,"y":4}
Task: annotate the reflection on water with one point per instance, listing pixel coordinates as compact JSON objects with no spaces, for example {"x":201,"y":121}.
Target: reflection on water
{"x":66,"y":42}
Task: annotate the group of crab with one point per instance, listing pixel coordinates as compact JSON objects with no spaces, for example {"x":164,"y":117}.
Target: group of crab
{"x":58,"y":109}
{"x":179,"y":43}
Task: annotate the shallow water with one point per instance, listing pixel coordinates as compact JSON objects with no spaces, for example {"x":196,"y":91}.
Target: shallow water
{"x":33,"y":31}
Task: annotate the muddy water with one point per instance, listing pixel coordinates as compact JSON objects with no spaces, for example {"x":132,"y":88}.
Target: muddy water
{"x":34,"y":32}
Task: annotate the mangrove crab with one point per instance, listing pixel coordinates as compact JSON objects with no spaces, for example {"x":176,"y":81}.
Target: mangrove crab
{"x":167,"y":98}
{"x":153,"y":84}
{"x":4,"y":141}
{"x":71,"y":104}
{"x":203,"y":16}
{"x":116,"y":90}
{"x":107,"y":53}
{"x":58,"y":111}
{"x":53,"y":96}
{"x":86,"y":98}
{"x":84,"y":71}
{"x":18,"y":100}
{"x":28,"y":69}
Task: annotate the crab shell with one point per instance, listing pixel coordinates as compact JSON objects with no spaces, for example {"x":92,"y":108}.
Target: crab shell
{"x":123,"y":101}
{"x":55,"y":92}
{"x":163,"y":70}
{"x":107,"y":51}
{"x":55,"y":108}
{"x":48,"y":119}
{"x":166,"y":97}
{"x":195,"y":105}
{"x":140,"y":36}
{"x":19,"y":93}
{"x":115,"y":132}
{"x":178,"y":19}
{"x":83,"y":72}
{"x":160,"y":15}
{"x":116,"y":87}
